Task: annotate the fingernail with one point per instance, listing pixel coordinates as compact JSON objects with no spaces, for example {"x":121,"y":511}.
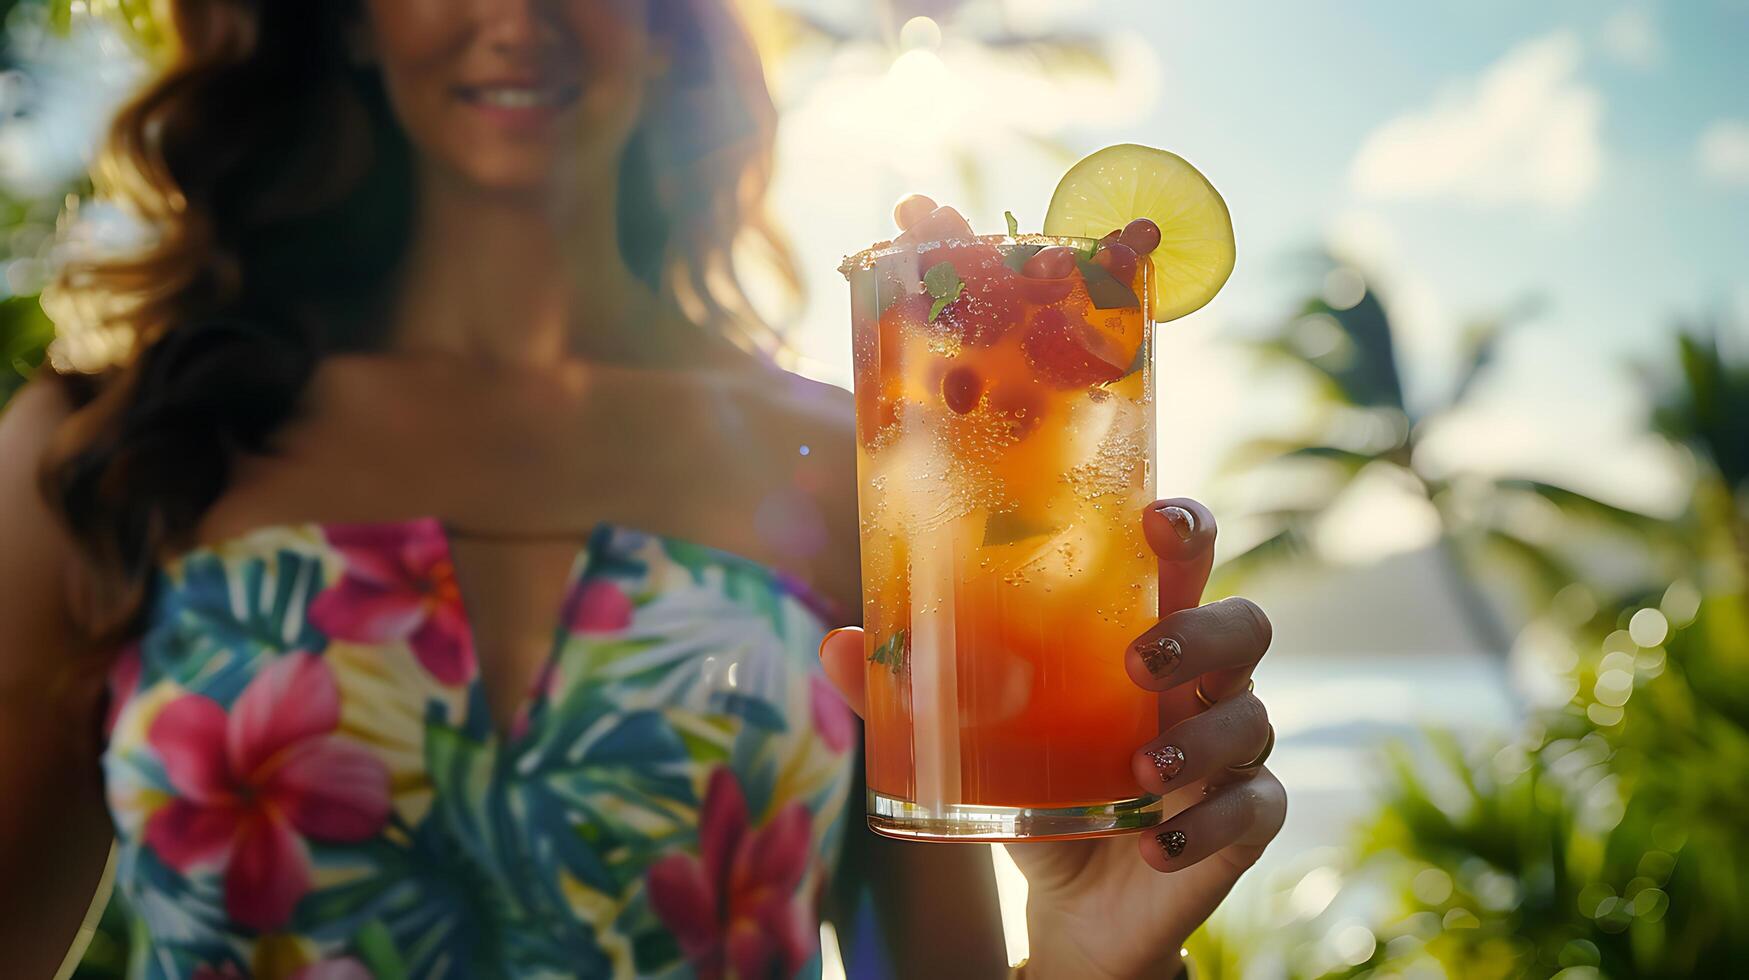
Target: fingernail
{"x":1183,"y":521}
{"x":1160,"y":655}
{"x":828,"y":639}
{"x":1172,"y":842}
{"x":1169,"y":760}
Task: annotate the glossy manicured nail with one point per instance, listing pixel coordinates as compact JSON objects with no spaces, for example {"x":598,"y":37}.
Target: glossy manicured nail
{"x":1160,"y":655}
{"x":1169,"y":760}
{"x":1183,"y":521}
{"x":828,"y":639}
{"x":1172,"y":842}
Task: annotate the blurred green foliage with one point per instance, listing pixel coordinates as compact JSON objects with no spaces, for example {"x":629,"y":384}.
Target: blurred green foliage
{"x":26,"y":228}
{"x":1609,"y":835}
{"x":141,"y":21}
{"x":1362,"y":426}
{"x":1608,"y":838}
{"x":24,"y":336}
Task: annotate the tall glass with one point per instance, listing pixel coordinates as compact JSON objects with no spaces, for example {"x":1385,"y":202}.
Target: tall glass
{"x":1006,"y":454}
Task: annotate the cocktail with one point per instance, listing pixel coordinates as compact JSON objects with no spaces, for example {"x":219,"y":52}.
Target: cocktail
{"x":1006,"y":430}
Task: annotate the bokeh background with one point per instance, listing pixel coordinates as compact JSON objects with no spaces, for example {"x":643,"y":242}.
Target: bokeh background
{"x":1473,"y":409}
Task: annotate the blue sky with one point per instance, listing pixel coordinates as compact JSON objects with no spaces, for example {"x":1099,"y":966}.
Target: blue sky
{"x":1471,"y":155}
{"x":1284,"y":105}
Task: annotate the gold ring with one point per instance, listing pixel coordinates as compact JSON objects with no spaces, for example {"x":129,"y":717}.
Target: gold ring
{"x":1208,"y":702}
{"x":1262,"y":757}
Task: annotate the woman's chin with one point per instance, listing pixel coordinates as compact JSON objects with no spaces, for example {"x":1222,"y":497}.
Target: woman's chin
{"x":513,"y":174}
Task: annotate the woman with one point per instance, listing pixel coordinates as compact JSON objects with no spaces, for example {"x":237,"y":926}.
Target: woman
{"x":432,"y":587}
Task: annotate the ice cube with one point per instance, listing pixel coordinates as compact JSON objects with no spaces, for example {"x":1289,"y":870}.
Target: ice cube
{"x":1060,"y":558}
{"x":1112,"y":440}
{"x":915,"y":484}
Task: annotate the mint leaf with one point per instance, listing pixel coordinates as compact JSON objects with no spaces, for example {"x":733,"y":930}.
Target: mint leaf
{"x":893,"y":653}
{"x":1009,"y":527}
{"x":942,"y":281}
{"x":1104,"y":289}
{"x":944,"y":284}
{"x":1013,"y":224}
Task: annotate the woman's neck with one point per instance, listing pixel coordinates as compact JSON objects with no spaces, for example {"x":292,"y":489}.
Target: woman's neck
{"x":491,"y":278}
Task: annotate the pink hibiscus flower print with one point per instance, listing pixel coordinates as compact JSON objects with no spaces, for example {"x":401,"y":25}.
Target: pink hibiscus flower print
{"x":545,"y":683}
{"x":833,"y":719}
{"x":734,"y":907}
{"x":124,"y":678}
{"x":252,"y":785}
{"x":600,"y":606}
{"x":399,"y":584}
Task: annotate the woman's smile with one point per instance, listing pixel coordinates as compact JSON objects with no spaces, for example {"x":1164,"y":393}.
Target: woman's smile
{"x":524,"y":106}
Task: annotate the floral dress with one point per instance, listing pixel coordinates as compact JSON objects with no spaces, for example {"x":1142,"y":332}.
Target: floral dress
{"x":305,"y":780}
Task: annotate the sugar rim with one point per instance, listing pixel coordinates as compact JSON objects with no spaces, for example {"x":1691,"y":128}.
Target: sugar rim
{"x":865,"y":259}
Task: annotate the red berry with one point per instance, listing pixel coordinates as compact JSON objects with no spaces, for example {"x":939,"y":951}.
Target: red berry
{"x":911,"y":210}
{"x":971,"y":261}
{"x":1048,"y":275}
{"x":1044,"y":292}
{"x":1069,"y":353}
{"x":987,"y":308}
{"x":1119,"y":260}
{"x":1051,"y":262}
{"x":961,"y":388}
{"x":988,"y":305}
{"x":1141,"y":235}
{"x":942,"y":224}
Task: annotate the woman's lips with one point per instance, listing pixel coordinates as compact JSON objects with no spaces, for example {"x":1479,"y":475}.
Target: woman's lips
{"x":519,"y":107}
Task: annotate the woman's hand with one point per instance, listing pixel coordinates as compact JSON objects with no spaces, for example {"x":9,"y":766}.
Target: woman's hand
{"x":1095,"y":908}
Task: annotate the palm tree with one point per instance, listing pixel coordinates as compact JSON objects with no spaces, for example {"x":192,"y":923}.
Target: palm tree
{"x":1612,"y":826}
{"x":1705,"y":410}
{"x":1364,"y":422}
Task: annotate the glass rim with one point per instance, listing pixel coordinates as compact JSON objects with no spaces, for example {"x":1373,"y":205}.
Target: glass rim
{"x":865,"y":259}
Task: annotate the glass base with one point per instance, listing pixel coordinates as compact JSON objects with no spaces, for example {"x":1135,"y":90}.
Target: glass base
{"x":906,"y":820}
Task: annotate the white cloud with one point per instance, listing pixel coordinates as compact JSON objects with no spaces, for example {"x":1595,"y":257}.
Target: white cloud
{"x":1723,"y":151}
{"x":1524,"y":131}
{"x":1631,"y":37}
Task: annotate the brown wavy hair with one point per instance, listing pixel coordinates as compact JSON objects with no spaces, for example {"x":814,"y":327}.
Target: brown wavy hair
{"x":277,"y":184}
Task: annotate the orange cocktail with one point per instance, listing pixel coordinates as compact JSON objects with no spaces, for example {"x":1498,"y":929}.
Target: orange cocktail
{"x":1005,"y":416}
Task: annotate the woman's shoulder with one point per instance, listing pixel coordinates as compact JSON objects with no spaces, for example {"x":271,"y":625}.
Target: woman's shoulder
{"x":811,"y":405}
{"x":40,"y":406}
{"x":29,"y":423}
{"x":805,"y":430}
{"x":37,"y":559}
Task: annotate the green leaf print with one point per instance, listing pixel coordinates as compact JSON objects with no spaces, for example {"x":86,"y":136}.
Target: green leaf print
{"x":376,"y":947}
